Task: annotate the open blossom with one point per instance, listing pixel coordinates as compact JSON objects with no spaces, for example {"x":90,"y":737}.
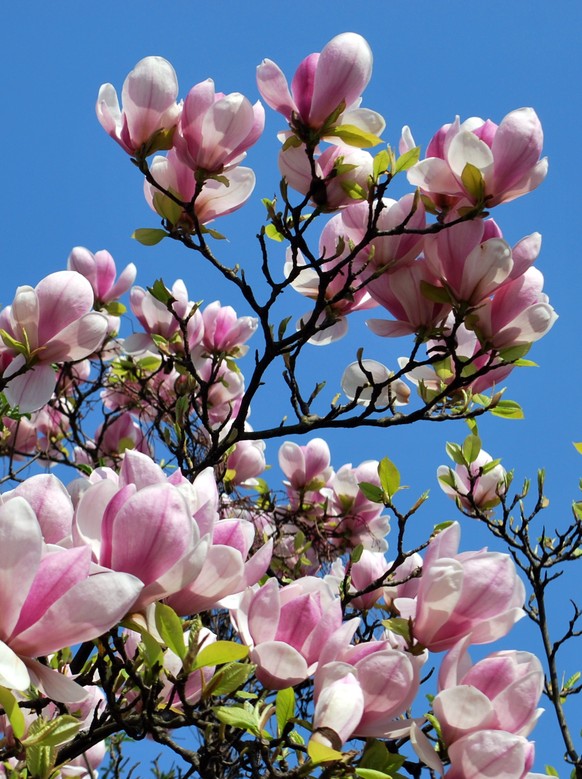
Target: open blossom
{"x":323,"y":83}
{"x":144,"y":524}
{"x":215,"y":129}
{"x":475,"y":594}
{"x":386,"y":251}
{"x":500,"y":692}
{"x":400,"y":292}
{"x":216,"y":198}
{"x":484,"y":489}
{"x":53,"y":323}
{"x":519,"y":313}
{"x":224,"y":332}
{"x":100,"y":271}
{"x":342,"y":174}
{"x":507,"y":156}
{"x":150,"y":111}
{"x":50,"y":598}
{"x":286,"y":628}
{"x":381,"y":677}
{"x":491,"y":754}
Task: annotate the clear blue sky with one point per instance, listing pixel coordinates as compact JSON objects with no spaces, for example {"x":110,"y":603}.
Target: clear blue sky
{"x":65,"y":183}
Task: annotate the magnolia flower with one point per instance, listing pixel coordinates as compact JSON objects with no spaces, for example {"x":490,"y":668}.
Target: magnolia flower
{"x":507,"y":156}
{"x":150,"y":112}
{"x":476,"y":594}
{"x":50,"y":598}
{"x":323,"y":83}
{"x":217,"y":198}
{"x":215,"y":129}
{"x":50,"y":323}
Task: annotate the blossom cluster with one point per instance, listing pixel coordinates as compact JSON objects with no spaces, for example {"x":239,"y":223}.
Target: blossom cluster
{"x":155,"y":563}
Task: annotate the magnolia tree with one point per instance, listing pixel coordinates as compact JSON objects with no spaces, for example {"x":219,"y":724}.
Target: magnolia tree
{"x":164,"y":584}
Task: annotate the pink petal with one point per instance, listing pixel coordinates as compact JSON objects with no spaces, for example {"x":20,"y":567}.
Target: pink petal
{"x":274,"y":88}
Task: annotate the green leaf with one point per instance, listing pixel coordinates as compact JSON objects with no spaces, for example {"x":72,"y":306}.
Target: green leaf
{"x":354,"y":190}
{"x":149,"y":236}
{"x":377,"y":758}
{"x":399,"y":626}
{"x":167,"y":208}
{"x":40,"y":761}
{"x":389,"y":476}
{"x":525,"y":364}
{"x":319,"y":753}
{"x":473,"y":182}
{"x":406,"y":160}
{"x":434,"y":293}
{"x":551,"y":771}
{"x":285,"y":708}
{"x":230,"y":678}
{"x":13,"y":712}
{"x":577,"y":446}
{"x":115,"y":308}
{"x":356,"y":554}
{"x":372,"y":491}
{"x":213,"y":233}
{"x":291,"y":142}
{"x":220,"y":652}
{"x":239,"y":717}
{"x":272,"y":233}
{"x":171,"y":629}
{"x":152,"y":651}
{"x":371,"y":773}
{"x":160,"y":292}
{"x":53,"y":732}
{"x":488,"y":467}
{"x":354,"y":136}
{"x":455,"y":453}
{"x":508,"y":409}
{"x":441,"y":526}
{"x":514,"y":352}
{"x":381,"y":164}
{"x":283,"y":326}
{"x":471,"y":448}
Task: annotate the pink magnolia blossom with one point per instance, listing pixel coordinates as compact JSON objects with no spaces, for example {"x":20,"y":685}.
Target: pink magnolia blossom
{"x":369,"y":568}
{"x":352,"y":515}
{"x":400,"y":292}
{"x":51,"y":503}
{"x":490,"y":754}
{"x":227,"y":569}
{"x":53,"y":323}
{"x":344,"y":293}
{"x":224,"y":332}
{"x":286,"y":628}
{"x":368,"y":381}
{"x":150,"y":112}
{"x":476,"y":594}
{"x":500,"y":692}
{"x":323,"y":83}
{"x":307,"y":467}
{"x":215,"y":129}
{"x":519,"y":313}
{"x":469,"y":350}
{"x":144,"y":524}
{"x":342,"y":175}
{"x":507,"y":157}
{"x":216,"y":198}
{"x":156,"y":319}
{"x":387,"y":677}
{"x":484,"y":488}
{"x":387,"y":251}
{"x":100,"y":271}
{"x":333,"y":720}
{"x":471,"y":259}
{"x":246,"y":462}
{"x":50,"y":598}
